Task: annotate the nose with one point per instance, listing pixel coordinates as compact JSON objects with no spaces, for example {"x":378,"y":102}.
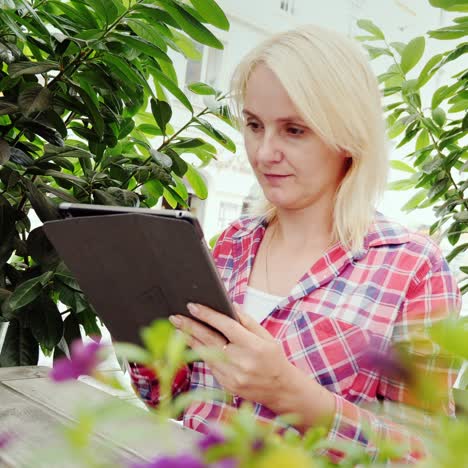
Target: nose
{"x":269,"y":150}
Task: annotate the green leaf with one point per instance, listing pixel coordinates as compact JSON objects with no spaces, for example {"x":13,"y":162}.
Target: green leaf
{"x":7,"y":107}
{"x":180,"y":187}
{"x":454,"y":232}
{"x":432,"y":165}
{"x":142,"y":45}
{"x":20,"y":348}
{"x":371,"y":28}
{"x":439,"y":95}
{"x":461,"y":216}
{"x":401,"y":166}
{"x":460,"y":50}
{"x":106,"y":11}
{"x":438,"y":189}
{"x":173,"y":198}
{"x":375,"y":52}
{"x":212,"y":242}
{"x":217,"y":135}
{"x":4,"y":152}
{"x":190,"y":24}
{"x":132,"y":353}
{"x":88,"y":319}
{"x":92,"y":106}
{"x":162,"y":113}
{"x":162,"y":159}
{"x":456,"y":251}
{"x":429,"y":69}
{"x":52,"y":151}
{"x":438,"y":116}
{"x":186,"y":46}
{"x":450,"y":5}
{"x":201,"y":88}
{"x":412,"y":53}
{"x":404,"y":184}
{"x":34,"y":99}
{"x":46,"y":322}
{"x":31,"y":68}
{"x":396,"y":129}
{"x":179,"y":166}
{"x":197,"y":182}
{"x":62,"y":273}
{"x":172,"y":88}
{"x":126,"y":71}
{"x":77,"y":13}
{"x":398,"y":46}
{"x":40,"y":248}
{"x":156,"y":338}
{"x":147,"y":32}
{"x":414,"y":201}
{"x":45,"y":209}
{"x":212,"y":13}
{"x":450,"y":32}
{"x":28,"y":291}
{"x":153,"y":190}
{"x":422,"y":140}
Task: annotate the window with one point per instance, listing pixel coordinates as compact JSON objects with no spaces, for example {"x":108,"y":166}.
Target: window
{"x":227,"y":213}
{"x":288,"y":6}
{"x":208,"y":69}
{"x":213,"y":66}
{"x":194,"y":68}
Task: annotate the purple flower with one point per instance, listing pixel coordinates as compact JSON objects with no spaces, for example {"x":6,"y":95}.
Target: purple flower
{"x":257,"y":445}
{"x":226,"y":463}
{"x":389,"y":364}
{"x":84,"y":359}
{"x":5,"y":439}
{"x":177,"y":461}
{"x":212,"y":438}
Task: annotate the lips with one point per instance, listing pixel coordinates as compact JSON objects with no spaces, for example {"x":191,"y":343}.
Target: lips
{"x":276,"y":179}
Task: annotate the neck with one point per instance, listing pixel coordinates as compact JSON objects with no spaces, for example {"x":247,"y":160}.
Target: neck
{"x":309,"y":227}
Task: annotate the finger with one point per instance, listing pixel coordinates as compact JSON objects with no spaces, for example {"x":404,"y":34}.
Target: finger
{"x":198,"y":331}
{"x":251,"y":324}
{"x":232,"y":330}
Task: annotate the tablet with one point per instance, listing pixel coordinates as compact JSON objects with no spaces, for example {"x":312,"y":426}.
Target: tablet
{"x":135,"y":265}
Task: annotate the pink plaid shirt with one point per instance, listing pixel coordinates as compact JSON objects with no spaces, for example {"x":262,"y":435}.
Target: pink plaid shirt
{"x":395,"y":286}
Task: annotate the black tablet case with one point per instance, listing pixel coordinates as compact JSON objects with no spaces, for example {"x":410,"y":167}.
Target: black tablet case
{"x":135,"y":268}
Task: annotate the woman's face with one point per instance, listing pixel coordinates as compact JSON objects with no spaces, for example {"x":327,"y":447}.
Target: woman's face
{"x":293,"y":166}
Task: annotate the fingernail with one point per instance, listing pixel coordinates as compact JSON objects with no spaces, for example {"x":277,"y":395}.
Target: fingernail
{"x":175,"y":320}
{"x":193,"y":308}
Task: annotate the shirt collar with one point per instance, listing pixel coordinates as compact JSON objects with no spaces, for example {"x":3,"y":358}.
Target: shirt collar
{"x":382,"y":231}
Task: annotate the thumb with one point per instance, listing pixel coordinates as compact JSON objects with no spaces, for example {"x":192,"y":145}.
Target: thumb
{"x":252,"y":325}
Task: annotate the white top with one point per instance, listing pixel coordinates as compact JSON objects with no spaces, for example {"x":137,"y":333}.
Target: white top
{"x":258,"y":304}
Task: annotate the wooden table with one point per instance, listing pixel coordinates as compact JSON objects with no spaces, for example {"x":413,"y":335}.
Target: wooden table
{"x":37,"y":412}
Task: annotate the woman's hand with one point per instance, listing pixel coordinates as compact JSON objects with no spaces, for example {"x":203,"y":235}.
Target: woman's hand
{"x":256,"y":368}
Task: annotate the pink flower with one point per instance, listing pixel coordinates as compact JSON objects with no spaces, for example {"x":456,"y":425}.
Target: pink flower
{"x":177,"y":461}
{"x":212,"y":438}
{"x":5,"y":439}
{"x":84,"y":359}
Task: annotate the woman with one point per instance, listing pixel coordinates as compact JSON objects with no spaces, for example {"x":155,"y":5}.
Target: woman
{"x":319,"y":277}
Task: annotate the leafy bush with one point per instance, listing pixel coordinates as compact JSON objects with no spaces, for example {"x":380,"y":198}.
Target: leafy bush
{"x":77,"y":78}
{"x":435,"y":131}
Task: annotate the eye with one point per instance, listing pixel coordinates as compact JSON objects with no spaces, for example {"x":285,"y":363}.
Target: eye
{"x":295,"y":131}
{"x":253,"y":125}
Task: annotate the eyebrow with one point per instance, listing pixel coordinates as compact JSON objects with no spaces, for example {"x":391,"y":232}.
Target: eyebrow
{"x":291,"y":118}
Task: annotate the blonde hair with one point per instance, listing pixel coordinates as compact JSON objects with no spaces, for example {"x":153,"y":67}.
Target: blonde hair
{"x":330,"y":81}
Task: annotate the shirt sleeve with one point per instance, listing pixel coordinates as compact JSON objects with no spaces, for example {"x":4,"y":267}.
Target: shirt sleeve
{"x":146,"y":384}
{"x":432,"y":297}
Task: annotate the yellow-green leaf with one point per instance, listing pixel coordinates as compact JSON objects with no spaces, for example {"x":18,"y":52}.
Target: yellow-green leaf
{"x":412,"y":53}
